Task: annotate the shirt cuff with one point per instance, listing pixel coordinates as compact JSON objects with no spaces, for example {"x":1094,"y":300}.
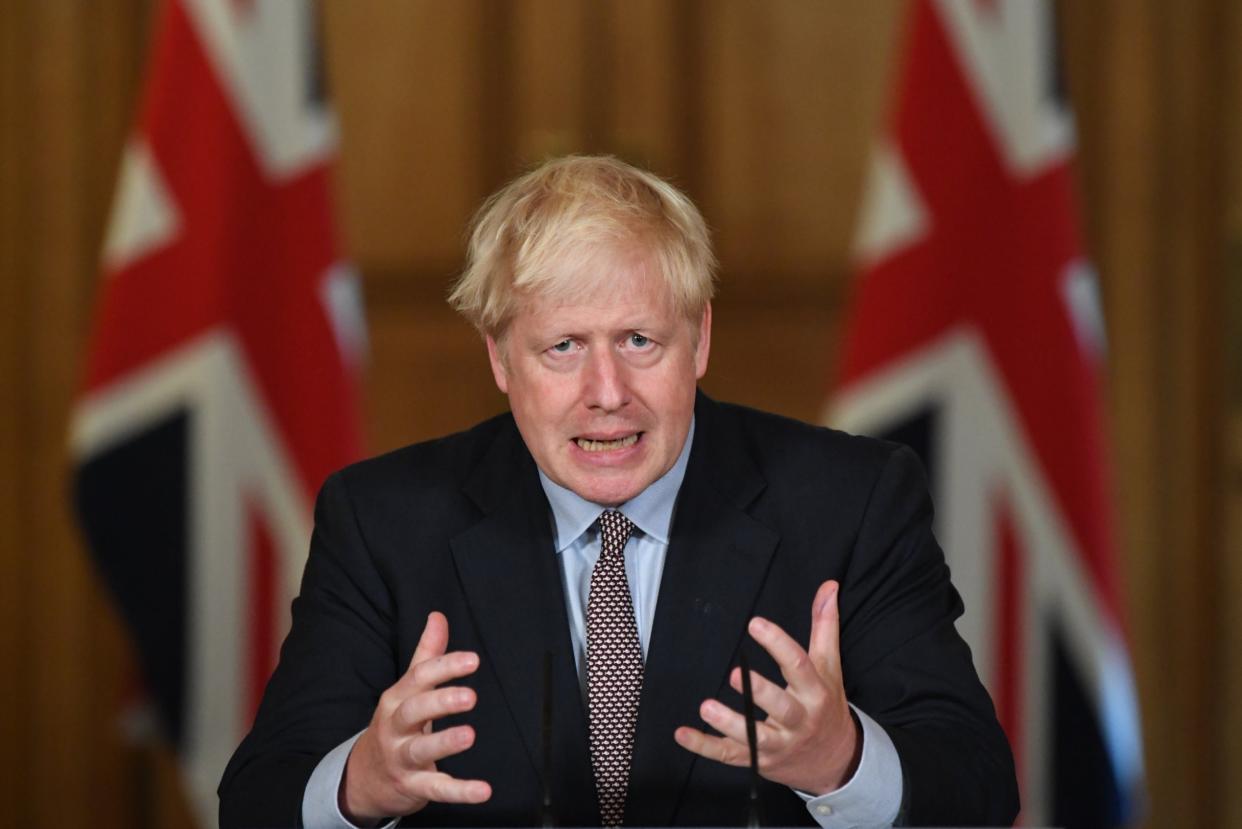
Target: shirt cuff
{"x":872,"y":797}
{"x":321,"y":805}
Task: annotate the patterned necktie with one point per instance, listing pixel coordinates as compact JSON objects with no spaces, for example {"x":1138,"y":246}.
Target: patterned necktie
{"x":614,"y":668}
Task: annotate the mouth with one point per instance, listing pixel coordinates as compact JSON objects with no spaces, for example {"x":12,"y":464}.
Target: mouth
{"x":589,"y":445}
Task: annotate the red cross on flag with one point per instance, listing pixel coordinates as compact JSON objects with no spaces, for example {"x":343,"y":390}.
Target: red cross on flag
{"x":975,"y":335}
{"x":221,"y":384}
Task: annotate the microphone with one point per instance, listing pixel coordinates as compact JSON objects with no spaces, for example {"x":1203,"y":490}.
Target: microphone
{"x":748,"y":709}
{"x":545,"y":802}
{"x":545,"y":805}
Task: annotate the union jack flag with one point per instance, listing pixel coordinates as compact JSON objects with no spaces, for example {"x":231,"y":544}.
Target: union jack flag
{"x":221,"y":382}
{"x":976,"y":337}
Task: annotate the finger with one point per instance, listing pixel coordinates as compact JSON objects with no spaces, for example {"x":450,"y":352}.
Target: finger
{"x":825,"y":644}
{"x":780,"y":706}
{"x":439,"y":670}
{"x":424,"y":749}
{"x":443,"y":788}
{"x":793,"y":661}
{"x":422,"y":708}
{"x":733,"y":725}
{"x":721,"y":749}
{"x":434,"y":640}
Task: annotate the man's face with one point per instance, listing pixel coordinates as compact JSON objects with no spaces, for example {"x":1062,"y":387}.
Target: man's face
{"x":603,"y":389}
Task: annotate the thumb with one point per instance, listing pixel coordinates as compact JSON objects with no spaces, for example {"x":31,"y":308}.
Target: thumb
{"x":825,"y":644}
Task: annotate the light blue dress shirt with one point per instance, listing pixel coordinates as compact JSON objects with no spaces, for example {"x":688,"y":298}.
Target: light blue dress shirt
{"x":871,"y":798}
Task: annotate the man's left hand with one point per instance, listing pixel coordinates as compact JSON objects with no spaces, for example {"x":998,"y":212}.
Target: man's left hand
{"x":810,"y":741}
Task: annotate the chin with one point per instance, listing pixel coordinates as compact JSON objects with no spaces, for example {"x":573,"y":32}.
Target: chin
{"x":607,"y":498}
{"x":607,"y":494}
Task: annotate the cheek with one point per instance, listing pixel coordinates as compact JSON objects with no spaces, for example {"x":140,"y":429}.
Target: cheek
{"x":680,"y":386}
{"x":542,"y":407}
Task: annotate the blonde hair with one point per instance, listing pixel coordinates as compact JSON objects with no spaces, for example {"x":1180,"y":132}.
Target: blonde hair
{"x":539,"y":233}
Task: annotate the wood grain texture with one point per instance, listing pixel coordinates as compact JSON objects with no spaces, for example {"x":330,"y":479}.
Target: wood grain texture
{"x":1229,"y":752}
{"x":406,"y":79}
{"x":640,"y":121}
{"x":57,"y":621}
{"x":791,"y":97}
{"x":549,"y":83}
{"x":1229,"y":687}
{"x":69,"y":81}
{"x":14,"y":560}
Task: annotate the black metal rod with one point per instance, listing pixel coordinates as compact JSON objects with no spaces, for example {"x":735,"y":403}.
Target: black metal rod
{"x":748,"y":709}
{"x":545,"y":807}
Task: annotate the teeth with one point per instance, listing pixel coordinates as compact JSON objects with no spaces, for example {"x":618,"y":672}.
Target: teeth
{"x":606,"y":445}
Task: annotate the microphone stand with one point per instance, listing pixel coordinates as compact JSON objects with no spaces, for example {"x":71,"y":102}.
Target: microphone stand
{"x":545,"y":805}
{"x":748,"y":709}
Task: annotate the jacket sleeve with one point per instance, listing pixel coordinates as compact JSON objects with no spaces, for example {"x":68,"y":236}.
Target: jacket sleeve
{"x":906,"y":666}
{"x":336,"y":661}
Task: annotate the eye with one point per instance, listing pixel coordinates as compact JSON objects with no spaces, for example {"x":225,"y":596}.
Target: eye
{"x":639,"y":340}
{"x":563,"y":346}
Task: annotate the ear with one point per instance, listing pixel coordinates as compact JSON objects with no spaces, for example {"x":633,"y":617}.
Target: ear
{"x":704,"y":348}
{"x":495,"y":356}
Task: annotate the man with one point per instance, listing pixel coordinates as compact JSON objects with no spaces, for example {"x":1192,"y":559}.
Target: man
{"x":641,"y":535}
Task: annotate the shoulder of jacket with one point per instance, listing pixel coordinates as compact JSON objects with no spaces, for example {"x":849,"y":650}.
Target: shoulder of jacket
{"x":793,"y":439}
{"x":439,"y":462}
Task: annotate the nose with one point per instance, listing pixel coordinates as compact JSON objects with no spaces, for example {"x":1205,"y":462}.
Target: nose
{"x":607,"y":388}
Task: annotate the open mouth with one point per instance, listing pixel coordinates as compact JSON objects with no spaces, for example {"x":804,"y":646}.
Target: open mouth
{"x":588,"y":445}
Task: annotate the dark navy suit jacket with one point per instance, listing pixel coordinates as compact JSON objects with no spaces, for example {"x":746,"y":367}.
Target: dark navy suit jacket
{"x":769,"y":509}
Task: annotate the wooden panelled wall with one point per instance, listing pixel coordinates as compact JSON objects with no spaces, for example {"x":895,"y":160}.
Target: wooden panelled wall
{"x":762,"y":111}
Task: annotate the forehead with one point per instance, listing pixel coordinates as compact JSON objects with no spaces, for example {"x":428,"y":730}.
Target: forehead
{"x":604,"y":288}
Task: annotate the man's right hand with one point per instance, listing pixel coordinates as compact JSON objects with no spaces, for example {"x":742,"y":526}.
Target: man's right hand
{"x":391,"y":770}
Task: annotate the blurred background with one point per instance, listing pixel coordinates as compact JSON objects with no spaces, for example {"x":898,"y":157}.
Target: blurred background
{"x":766,"y":114}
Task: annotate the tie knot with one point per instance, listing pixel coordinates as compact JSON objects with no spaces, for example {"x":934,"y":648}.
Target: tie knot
{"x":614,"y":530}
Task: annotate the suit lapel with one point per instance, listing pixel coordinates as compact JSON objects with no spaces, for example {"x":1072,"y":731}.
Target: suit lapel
{"x":717,"y":560}
{"x":512,"y":581}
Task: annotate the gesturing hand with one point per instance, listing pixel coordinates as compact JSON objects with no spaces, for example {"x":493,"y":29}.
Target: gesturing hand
{"x":391,"y":770}
{"x":809,"y":740}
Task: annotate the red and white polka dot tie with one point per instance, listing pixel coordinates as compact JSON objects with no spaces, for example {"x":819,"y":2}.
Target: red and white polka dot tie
{"x":614,"y":668}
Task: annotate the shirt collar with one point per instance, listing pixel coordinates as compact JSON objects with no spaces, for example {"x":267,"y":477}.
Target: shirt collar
{"x":651,"y":510}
